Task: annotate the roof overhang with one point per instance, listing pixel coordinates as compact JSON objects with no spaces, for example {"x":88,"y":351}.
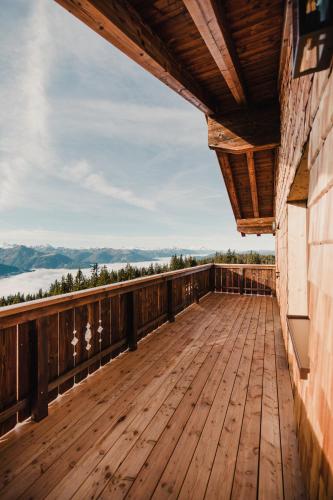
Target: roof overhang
{"x":224,"y":59}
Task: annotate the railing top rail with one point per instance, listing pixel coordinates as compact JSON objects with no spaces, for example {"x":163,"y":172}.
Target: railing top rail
{"x":247,"y":266}
{"x":97,"y":292}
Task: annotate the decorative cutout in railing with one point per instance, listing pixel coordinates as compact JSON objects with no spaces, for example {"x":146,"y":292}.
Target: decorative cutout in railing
{"x":48,"y":345}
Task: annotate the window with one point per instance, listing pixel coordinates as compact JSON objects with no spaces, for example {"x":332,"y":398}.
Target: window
{"x":298,"y":241}
{"x":298,"y":320}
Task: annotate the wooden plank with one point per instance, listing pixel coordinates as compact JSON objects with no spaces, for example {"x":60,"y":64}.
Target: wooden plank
{"x":119,"y":23}
{"x":243,"y":130}
{"x":173,"y":476}
{"x":270,"y":467}
{"x":157,"y":343}
{"x":48,"y":327}
{"x":20,"y":406}
{"x":8,"y":363}
{"x":91,"y":361}
{"x":87,"y":448}
{"x":172,"y":389}
{"x":80,"y":325}
{"x":148,"y":477}
{"x":66,"y":350}
{"x":129,"y":468}
{"x":40,"y":368}
{"x":93,"y":319}
{"x":75,"y":416}
{"x":253,"y":183}
{"x":222,"y":472}
{"x":229,"y":182}
{"x":132,"y":321}
{"x":80,"y":447}
{"x":247,"y":462}
{"x":105,"y":323}
{"x":210,"y":21}
{"x":24,"y":369}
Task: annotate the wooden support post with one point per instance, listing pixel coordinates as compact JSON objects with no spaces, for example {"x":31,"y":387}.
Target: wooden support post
{"x":171,"y":305}
{"x":132,"y":320}
{"x":40,"y":372}
{"x":195,"y":289}
{"x":242,"y":282}
{"x":212,"y":278}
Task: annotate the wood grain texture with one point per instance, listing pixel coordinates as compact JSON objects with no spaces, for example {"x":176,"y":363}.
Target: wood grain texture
{"x":304,"y":172}
{"x":259,"y":225}
{"x":244,"y":130}
{"x":209,"y":19}
{"x":24,"y":389}
{"x":8,"y":364}
{"x":156,"y":421}
{"x":66,"y":358}
{"x":230,"y":184}
{"x":253,"y":183}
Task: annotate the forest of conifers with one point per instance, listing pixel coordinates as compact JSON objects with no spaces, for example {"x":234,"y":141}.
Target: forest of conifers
{"x":100,"y":275}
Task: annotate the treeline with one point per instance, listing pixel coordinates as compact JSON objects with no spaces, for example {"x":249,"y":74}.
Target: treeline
{"x":232,"y":257}
{"x":100,"y":275}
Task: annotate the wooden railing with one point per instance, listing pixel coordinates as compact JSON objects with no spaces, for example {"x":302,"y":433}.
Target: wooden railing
{"x":245,"y":279}
{"x":48,"y":345}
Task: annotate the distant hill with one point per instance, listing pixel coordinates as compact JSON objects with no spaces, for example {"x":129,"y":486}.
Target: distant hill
{"x":8,"y":270}
{"x":24,"y":258}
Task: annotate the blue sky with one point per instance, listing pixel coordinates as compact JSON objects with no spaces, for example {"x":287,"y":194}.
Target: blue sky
{"x":94,"y":151}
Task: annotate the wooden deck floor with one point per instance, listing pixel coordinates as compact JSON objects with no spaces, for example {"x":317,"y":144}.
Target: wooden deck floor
{"x":203,"y":409}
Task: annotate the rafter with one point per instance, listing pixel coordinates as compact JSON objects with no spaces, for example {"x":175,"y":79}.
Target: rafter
{"x":253,"y":183}
{"x":229,"y":182}
{"x":209,"y":19}
{"x":119,"y":23}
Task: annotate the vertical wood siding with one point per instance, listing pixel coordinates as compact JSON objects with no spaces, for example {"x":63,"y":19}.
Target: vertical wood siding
{"x":307,"y":116}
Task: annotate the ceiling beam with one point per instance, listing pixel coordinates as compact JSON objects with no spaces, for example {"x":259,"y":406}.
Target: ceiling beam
{"x":208,"y":18}
{"x":257,"y":225}
{"x":229,"y":182}
{"x":119,"y":23}
{"x":245,"y":130}
{"x":253,"y":183}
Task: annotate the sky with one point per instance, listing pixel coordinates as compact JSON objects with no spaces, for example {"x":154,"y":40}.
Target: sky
{"x":95,"y":151}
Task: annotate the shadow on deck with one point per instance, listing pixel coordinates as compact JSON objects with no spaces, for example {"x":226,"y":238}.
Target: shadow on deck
{"x":202,"y":409}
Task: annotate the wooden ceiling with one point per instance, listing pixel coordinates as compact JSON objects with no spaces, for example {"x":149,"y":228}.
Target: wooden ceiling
{"x":223,"y":57}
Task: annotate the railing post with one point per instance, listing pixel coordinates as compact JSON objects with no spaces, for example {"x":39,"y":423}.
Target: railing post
{"x":212,"y":278}
{"x":170,"y":298}
{"x":275,"y":274}
{"x":195,"y":289}
{"x":242,"y":281}
{"x":132,"y":320}
{"x":40,"y":372}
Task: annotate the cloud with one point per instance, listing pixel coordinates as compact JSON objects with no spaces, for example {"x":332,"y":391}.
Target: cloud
{"x":24,"y":142}
{"x":133,"y":123}
{"x":82,"y":173}
{"x":29,"y":158}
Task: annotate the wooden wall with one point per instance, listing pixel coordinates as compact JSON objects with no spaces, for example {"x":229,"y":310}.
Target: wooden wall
{"x":307,"y":115}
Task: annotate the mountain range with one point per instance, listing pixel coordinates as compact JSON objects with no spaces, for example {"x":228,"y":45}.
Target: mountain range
{"x":20,"y":258}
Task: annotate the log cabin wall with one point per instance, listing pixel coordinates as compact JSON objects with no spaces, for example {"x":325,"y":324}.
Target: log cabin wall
{"x":307,"y":118}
